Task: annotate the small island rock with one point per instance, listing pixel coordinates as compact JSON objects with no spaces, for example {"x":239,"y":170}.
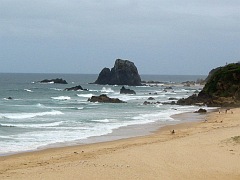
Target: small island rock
{"x":55,"y":81}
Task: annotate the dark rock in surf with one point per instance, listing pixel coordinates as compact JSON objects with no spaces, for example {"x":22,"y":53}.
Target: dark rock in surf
{"x":76,"y":88}
{"x":55,"y":81}
{"x":201,"y":111}
{"x":169,"y":103}
{"x":104,"y":99}
{"x":123,"y":90}
{"x":172,"y":98}
{"x":151,"y":98}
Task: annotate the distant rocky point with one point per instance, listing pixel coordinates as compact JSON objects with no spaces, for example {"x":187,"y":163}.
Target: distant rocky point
{"x":55,"y":81}
{"x":124,"y":72}
{"x":221,"y":89}
{"x":104,"y":99}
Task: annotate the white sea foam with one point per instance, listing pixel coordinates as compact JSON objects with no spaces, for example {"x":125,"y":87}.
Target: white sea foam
{"x":29,"y":115}
{"x":102,"y":120}
{"x":85,"y":95}
{"x":107,"y":90}
{"x":91,"y":90}
{"x":43,"y":125}
{"x":172,"y":93}
{"x":56,"y":89}
{"x":127,"y":97}
{"x":153,"y":117}
{"x":28,"y":90}
{"x":61,"y":98}
{"x":70,"y":107}
{"x":40,"y":105}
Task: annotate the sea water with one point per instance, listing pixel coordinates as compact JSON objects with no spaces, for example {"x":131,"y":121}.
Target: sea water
{"x":43,"y":115}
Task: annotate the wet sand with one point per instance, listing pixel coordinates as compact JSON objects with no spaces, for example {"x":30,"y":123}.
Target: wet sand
{"x":207,"y":149}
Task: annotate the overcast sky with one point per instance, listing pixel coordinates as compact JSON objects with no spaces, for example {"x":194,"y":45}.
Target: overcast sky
{"x":83,"y":36}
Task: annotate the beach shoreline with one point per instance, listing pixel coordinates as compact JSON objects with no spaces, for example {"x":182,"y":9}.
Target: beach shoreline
{"x":135,"y":158}
{"x":125,"y":132}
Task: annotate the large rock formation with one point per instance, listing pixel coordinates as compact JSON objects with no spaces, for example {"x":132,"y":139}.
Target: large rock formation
{"x":221,"y":89}
{"x":124,"y":72}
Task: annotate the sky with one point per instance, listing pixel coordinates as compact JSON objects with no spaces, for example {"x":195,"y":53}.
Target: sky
{"x":178,"y":37}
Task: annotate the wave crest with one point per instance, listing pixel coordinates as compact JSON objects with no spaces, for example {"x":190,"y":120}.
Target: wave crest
{"x":29,"y":115}
{"x":61,"y":98}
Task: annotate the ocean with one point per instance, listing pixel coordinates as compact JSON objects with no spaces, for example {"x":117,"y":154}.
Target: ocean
{"x":45,"y":115}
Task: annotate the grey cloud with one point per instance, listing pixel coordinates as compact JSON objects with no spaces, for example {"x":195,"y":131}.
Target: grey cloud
{"x":156,"y":31}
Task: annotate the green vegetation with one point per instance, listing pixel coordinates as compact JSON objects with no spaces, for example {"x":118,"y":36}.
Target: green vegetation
{"x":224,"y":82}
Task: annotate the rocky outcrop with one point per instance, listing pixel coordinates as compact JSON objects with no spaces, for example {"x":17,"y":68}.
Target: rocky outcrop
{"x":221,"y":89}
{"x":104,"y":99}
{"x":201,"y":111}
{"x":55,"y":81}
{"x":192,"y":100}
{"x":76,"y":88}
{"x":124,"y":72}
{"x":123,"y":90}
{"x":165,"y":103}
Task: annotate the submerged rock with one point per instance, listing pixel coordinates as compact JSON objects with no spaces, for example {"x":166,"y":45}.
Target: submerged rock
{"x":104,"y":99}
{"x":124,"y":72}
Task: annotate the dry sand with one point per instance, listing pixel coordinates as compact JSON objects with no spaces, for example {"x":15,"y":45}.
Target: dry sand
{"x":199,"y":150}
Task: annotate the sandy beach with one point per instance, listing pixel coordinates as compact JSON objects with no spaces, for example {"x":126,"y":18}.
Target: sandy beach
{"x":209,"y":149}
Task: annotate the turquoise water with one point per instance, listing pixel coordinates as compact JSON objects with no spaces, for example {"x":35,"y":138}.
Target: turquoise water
{"x":41,"y":115}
